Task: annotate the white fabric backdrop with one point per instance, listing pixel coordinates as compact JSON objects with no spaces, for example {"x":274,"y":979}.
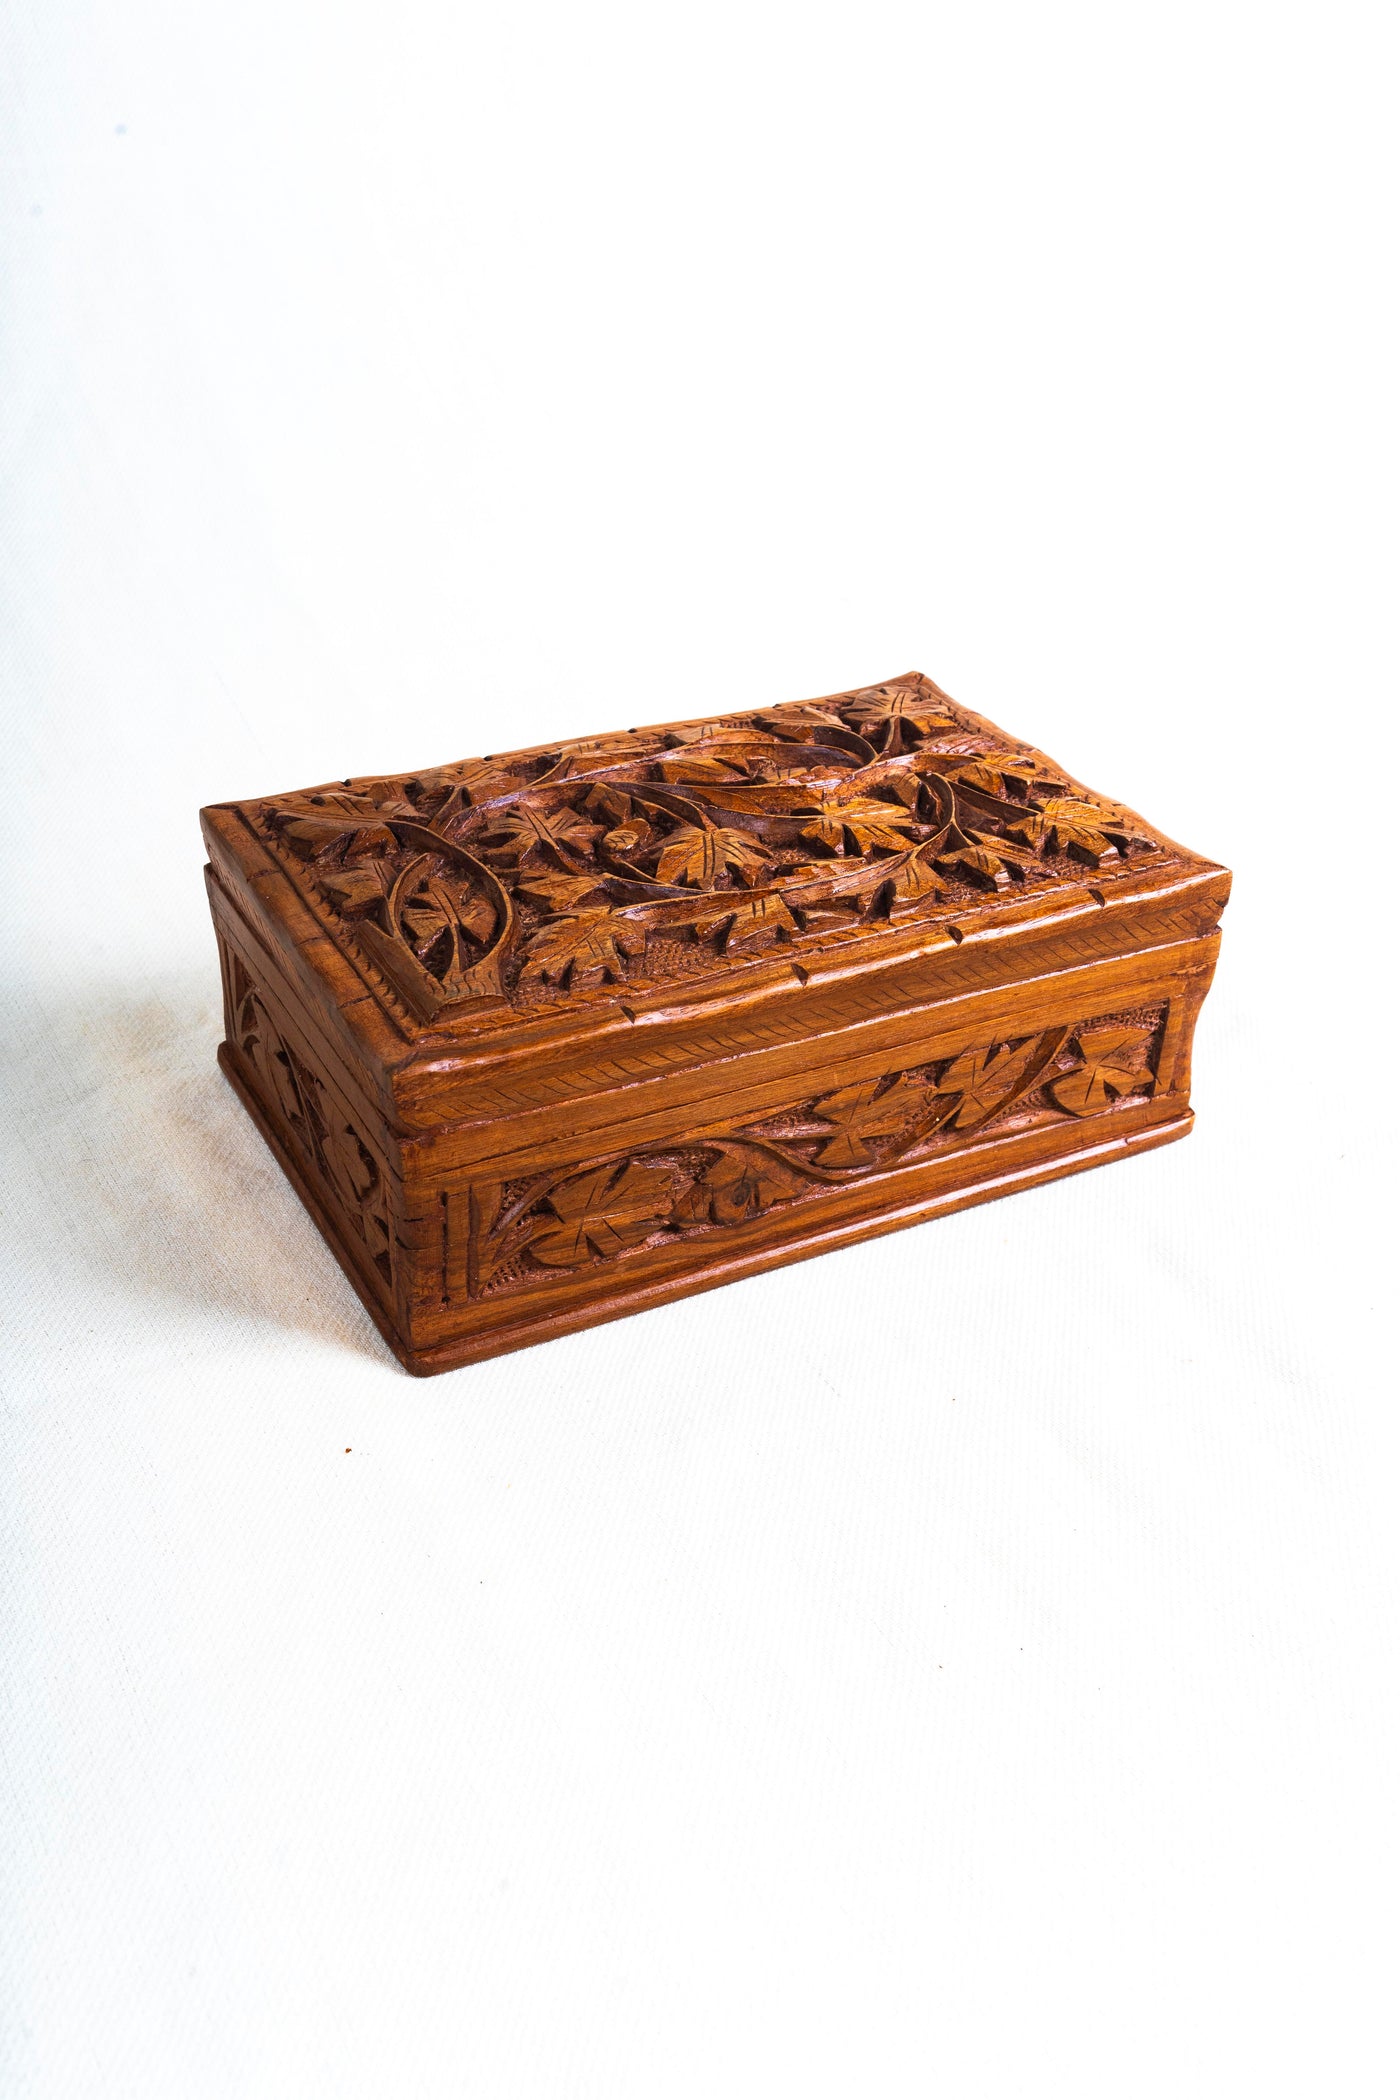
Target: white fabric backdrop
{"x":966,"y":1663}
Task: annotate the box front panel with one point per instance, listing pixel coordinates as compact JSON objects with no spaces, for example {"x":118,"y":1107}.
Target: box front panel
{"x":536,"y":1240}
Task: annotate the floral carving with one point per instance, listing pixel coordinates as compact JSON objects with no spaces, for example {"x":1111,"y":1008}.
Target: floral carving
{"x":329,"y":1147}
{"x":701,"y":855}
{"x":861,"y":821}
{"x":984,"y":1080}
{"x":531,"y":836}
{"x":613,"y":1206}
{"x":859,"y":1114}
{"x":586,"y":944}
{"x":1111,"y":1064}
{"x":738,"y":1183}
{"x":603,"y":1212}
{"x":538,"y":875}
{"x":892,"y":709}
{"x":1081,"y":829}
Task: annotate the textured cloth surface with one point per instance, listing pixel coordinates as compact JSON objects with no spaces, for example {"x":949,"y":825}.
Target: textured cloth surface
{"x":965,"y":1663}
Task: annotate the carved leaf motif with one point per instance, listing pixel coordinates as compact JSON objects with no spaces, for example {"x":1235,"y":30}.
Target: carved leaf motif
{"x":984,"y":865}
{"x":897,"y":704}
{"x":590,"y":942}
{"x":436,"y":914}
{"x":869,"y":823}
{"x":482,"y":780}
{"x":606,"y":1212}
{"x":985,"y":1078}
{"x":264,"y":1049}
{"x":700,"y":857}
{"x":999,"y":773}
{"x":451,"y":789}
{"x":346,"y":825}
{"x":751,"y":920}
{"x":910,"y":879}
{"x":433,"y":912}
{"x":681,"y":768}
{"x":532,"y":835}
{"x":357,"y":889}
{"x":559,"y":892}
{"x":1011,"y":854}
{"x":1108,"y":1069}
{"x":859,"y":1113}
{"x":350,"y":1165}
{"x":330,"y":1148}
{"x":496,"y":1245}
{"x":736,"y":1185}
{"x":609,"y":804}
{"x":1080,"y":829}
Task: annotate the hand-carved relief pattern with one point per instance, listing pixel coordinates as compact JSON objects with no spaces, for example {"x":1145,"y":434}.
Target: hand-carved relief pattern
{"x":609,"y":1207}
{"x":330,"y":1148}
{"x":640,"y":858}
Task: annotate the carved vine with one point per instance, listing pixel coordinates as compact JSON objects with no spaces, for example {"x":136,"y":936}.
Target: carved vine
{"x":608,"y":1207}
{"x":634,"y":857}
{"x":329,"y":1146}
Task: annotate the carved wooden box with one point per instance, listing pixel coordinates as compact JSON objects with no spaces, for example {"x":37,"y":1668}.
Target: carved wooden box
{"x":552,"y":1036}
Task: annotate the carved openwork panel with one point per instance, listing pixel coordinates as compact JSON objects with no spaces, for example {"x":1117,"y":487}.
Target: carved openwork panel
{"x":659,"y":855}
{"x":329,"y":1149}
{"x":579,"y":1216}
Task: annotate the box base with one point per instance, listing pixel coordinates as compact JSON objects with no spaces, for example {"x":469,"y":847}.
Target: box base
{"x":528,"y":1329}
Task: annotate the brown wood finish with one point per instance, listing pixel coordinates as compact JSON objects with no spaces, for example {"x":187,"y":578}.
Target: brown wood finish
{"x":552,"y":1036}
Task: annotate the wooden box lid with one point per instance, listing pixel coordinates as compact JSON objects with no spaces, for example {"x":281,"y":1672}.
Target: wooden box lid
{"x":479,"y":912}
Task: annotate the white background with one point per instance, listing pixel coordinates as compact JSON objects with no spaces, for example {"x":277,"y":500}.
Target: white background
{"x":965,"y":1664}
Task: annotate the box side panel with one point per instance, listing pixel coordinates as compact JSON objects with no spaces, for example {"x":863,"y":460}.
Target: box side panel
{"x":542,"y":1229}
{"x":977,"y":1176}
{"x":314,"y":1109}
